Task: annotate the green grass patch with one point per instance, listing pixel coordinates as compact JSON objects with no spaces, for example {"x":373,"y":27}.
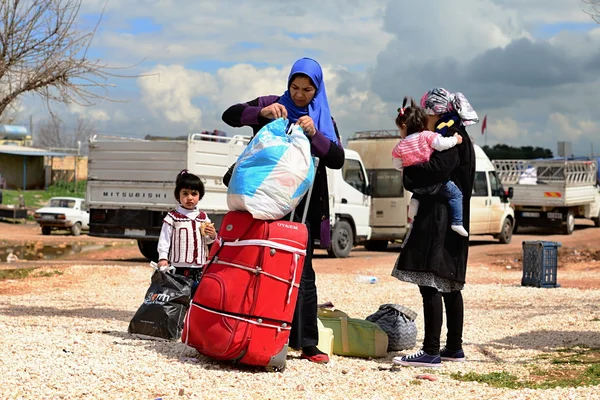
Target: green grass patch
{"x":48,"y":274}
{"x":17,"y":273}
{"x":573,"y":367}
{"x":39,"y":198}
{"x":23,"y":273}
{"x":494,"y":379}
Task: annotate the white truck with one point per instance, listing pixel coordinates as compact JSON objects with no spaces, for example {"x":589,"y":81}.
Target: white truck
{"x":389,"y":200}
{"x":552,"y":193}
{"x":131,"y":183}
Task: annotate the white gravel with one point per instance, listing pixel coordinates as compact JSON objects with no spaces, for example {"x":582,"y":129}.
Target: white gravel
{"x":65,"y":337}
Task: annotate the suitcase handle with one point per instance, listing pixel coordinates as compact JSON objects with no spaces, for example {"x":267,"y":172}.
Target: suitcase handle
{"x":308,"y":195}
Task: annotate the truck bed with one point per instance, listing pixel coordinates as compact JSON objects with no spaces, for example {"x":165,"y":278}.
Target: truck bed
{"x":551,"y":183}
{"x":552,"y":195}
{"x":140,"y":174}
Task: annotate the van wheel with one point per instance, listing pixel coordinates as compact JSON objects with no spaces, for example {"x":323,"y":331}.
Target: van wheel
{"x":148,"y":249}
{"x":342,"y":240}
{"x":507,"y":230}
{"x":376,"y":245}
{"x":569,"y":225}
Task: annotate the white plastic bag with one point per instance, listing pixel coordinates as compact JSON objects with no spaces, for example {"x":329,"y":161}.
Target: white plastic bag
{"x":273,"y":173}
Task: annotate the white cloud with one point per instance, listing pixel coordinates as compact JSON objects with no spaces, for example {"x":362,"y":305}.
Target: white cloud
{"x":168,"y":92}
{"x":214,"y":54}
{"x":570,"y":129}
{"x":506,"y":129}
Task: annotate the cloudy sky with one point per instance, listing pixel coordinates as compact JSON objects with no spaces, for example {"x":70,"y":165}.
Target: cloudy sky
{"x":531,"y":66}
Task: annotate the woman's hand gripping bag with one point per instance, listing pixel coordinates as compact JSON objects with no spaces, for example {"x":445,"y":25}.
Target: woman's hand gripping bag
{"x":273,"y":173}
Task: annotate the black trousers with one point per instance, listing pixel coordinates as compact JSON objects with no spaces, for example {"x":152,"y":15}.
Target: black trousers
{"x":433,"y":315}
{"x":305,"y":331}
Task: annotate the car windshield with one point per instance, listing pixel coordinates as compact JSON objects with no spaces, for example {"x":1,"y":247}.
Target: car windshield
{"x":61,"y":203}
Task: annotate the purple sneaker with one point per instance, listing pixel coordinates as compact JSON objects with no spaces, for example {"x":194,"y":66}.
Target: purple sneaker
{"x":419,"y":359}
{"x":452,"y":355}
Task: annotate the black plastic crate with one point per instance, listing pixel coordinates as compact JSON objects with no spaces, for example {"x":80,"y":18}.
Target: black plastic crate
{"x":540,"y":264}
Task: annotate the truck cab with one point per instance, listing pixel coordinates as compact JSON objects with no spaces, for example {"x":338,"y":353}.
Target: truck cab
{"x":349,"y":205}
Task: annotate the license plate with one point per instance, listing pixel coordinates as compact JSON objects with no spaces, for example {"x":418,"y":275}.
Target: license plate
{"x":530,"y":214}
{"x":135,"y":232}
{"x":554,"y":215}
{"x":47,"y":216}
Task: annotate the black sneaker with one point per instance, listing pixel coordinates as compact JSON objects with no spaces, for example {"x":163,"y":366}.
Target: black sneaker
{"x":419,"y":359}
{"x":452,"y":355}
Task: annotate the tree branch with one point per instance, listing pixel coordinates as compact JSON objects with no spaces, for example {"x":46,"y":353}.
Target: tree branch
{"x":42,"y":52}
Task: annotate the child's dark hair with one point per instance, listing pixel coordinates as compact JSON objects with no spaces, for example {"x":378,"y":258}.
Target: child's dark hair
{"x":413,"y":116}
{"x":185,"y":180}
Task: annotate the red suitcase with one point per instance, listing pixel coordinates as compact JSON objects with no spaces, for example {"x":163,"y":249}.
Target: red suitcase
{"x":243,"y":308}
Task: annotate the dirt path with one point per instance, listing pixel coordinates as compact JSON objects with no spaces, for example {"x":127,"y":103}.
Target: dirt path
{"x":579,"y":255}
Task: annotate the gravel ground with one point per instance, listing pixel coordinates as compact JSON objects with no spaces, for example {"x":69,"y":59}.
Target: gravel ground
{"x":66,"y":337}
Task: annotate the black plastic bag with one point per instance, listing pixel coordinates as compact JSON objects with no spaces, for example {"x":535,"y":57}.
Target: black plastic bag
{"x":162,"y":313}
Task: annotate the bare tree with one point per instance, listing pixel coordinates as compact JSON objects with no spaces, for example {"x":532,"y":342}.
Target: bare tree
{"x":49,"y":134}
{"x":11,"y":115}
{"x":594,"y":11}
{"x":42,"y":51}
{"x":52,"y":134}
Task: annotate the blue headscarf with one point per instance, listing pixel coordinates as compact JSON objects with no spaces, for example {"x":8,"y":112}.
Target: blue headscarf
{"x":318,"y":109}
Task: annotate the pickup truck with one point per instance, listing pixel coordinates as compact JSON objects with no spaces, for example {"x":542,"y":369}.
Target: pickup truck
{"x":552,"y":192}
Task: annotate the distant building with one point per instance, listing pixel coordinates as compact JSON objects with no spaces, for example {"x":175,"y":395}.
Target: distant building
{"x":24,"y":168}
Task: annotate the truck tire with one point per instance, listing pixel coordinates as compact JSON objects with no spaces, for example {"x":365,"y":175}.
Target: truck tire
{"x":597,"y":220}
{"x":76,"y":229}
{"x":148,"y":249}
{"x":507,"y":230}
{"x":46,"y":230}
{"x":569,"y":225}
{"x":376,"y":245}
{"x":342,"y":240}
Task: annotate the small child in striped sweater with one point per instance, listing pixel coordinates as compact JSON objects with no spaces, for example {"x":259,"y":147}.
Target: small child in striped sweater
{"x":415,"y":147}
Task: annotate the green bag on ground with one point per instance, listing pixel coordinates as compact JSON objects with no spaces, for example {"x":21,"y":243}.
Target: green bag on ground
{"x":354,"y":337}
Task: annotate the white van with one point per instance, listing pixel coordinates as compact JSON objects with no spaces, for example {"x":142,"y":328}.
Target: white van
{"x":491,"y":212}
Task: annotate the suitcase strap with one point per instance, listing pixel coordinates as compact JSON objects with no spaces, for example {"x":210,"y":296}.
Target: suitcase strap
{"x":283,"y":327}
{"x":274,"y":245}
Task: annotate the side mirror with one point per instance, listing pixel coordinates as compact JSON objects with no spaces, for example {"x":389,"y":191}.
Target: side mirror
{"x":510,"y":193}
{"x":368,"y":190}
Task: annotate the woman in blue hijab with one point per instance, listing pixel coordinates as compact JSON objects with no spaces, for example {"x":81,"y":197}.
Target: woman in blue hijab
{"x":304,"y":103}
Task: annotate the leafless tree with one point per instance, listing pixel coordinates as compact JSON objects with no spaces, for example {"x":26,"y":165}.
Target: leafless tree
{"x":43,"y":51}
{"x":594,"y":10}
{"x":52,"y":134}
{"x":10,"y":115}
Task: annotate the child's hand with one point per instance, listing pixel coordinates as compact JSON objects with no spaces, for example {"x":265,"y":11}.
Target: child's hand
{"x":209,"y":230}
{"x":163,"y":263}
{"x":458,"y":138}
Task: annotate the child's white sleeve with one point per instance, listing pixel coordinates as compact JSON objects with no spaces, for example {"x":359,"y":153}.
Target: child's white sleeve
{"x":397,"y":163}
{"x":441,"y":143}
{"x":208,"y":239}
{"x":164,"y":241}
